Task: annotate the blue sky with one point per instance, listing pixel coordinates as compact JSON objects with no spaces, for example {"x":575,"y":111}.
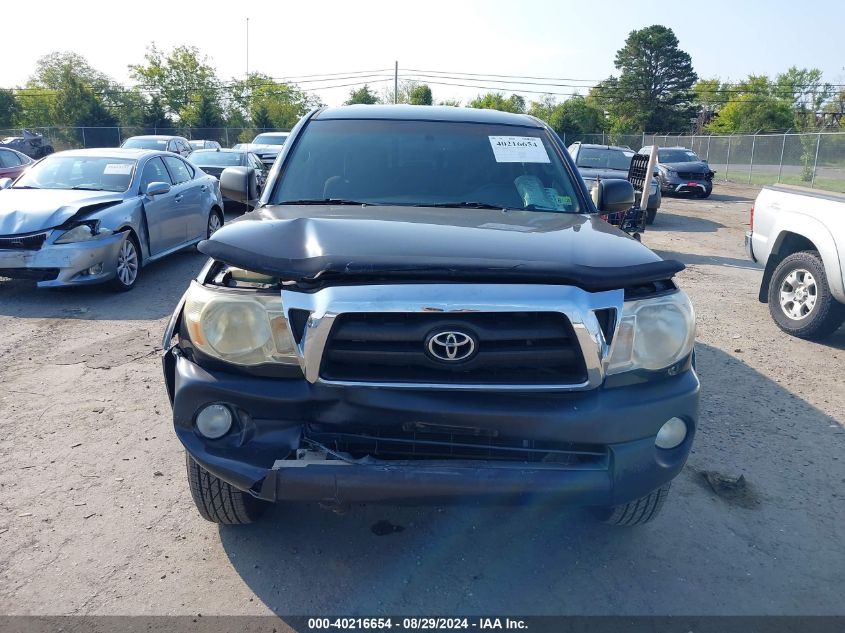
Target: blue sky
{"x":532,"y":37}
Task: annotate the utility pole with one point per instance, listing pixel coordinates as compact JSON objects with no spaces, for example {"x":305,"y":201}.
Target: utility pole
{"x":395,"y":82}
{"x":248,"y":92}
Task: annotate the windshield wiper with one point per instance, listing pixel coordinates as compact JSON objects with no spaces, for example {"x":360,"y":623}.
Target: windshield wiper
{"x":338,"y":201}
{"x":26,"y":187}
{"x":84,"y":188}
{"x":466,"y":205}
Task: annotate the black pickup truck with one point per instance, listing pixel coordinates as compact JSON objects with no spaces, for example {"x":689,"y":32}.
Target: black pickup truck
{"x":426,"y":308}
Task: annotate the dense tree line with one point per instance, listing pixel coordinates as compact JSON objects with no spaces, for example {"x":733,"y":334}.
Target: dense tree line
{"x":656,"y":90}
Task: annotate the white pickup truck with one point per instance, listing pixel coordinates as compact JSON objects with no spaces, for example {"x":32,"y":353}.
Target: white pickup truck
{"x":798,"y":234}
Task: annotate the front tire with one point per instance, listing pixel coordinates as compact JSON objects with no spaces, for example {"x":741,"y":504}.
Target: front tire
{"x":128,"y":264}
{"x":800,"y":300}
{"x":636,"y":512}
{"x":215,"y":222}
{"x":219,"y":501}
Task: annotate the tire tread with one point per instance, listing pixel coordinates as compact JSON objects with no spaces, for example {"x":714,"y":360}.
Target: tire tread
{"x":218,"y":501}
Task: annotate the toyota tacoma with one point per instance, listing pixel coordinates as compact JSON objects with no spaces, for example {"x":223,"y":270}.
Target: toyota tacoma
{"x":426,"y":308}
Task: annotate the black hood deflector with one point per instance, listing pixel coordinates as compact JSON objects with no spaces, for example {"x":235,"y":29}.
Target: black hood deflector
{"x":367,"y":244}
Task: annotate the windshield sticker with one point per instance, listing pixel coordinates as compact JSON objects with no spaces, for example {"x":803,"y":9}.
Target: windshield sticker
{"x":122,"y":169}
{"x":519,"y":149}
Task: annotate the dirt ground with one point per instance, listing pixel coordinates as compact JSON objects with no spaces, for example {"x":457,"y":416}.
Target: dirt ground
{"x":96,"y":517}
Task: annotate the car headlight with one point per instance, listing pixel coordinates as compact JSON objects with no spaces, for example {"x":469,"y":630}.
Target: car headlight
{"x":242,"y":327}
{"x":653,"y":333}
{"x":82,"y":233}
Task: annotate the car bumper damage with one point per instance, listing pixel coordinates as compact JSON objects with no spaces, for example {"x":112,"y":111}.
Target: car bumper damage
{"x":297,"y":440}
{"x":55,"y":265}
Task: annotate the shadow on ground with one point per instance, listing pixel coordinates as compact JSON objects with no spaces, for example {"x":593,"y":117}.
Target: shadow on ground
{"x":704,"y":555}
{"x":666,"y":221}
{"x":691,"y":259}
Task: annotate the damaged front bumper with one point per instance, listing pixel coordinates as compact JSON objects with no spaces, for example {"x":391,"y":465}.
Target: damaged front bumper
{"x":598,"y":446}
{"x":54,"y":265}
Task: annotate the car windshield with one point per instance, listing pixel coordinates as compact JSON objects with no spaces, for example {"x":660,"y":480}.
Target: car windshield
{"x":270,"y":139}
{"x":677,"y":156}
{"x":92,"y":173}
{"x":604,"y":158}
{"x":145,"y":143}
{"x":427,"y":163}
{"x":214,"y":159}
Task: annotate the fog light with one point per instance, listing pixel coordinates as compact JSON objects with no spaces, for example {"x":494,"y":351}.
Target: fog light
{"x":214,"y":421}
{"x":671,"y":434}
{"x":96,"y":269}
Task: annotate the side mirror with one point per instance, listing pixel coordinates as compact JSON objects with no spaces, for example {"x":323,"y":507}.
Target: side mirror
{"x":157,"y":188}
{"x":5,"y":183}
{"x":615,"y":195}
{"x":239,"y":184}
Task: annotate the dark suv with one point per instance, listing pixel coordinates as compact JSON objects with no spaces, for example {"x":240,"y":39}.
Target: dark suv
{"x":611,"y":161}
{"x":680,"y":170}
{"x":426,"y":308}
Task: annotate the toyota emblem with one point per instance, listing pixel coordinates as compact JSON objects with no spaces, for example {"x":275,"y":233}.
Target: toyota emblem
{"x":451,"y":346}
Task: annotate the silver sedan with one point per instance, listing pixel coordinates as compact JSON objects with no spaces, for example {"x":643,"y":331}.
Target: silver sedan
{"x":98,"y":215}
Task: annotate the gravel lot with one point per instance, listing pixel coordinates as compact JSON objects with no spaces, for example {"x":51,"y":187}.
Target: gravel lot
{"x":96,"y":518}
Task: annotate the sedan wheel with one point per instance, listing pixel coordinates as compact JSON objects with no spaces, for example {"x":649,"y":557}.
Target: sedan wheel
{"x":128,"y":264}
{"x":214,"y":223}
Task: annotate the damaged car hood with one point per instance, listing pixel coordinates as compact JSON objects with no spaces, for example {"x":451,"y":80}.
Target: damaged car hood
{"x":308,"y":243}
{"x":29,"y":210}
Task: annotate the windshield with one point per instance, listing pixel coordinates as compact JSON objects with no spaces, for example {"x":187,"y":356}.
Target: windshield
{"x":214,"y":159}
{"x":604,"y":158}
{"x":677,"y":156}
{"x":270,"y":139}
{"x":145,"y":143}
{"x":427,"y":163}
{"x":92,"y":173}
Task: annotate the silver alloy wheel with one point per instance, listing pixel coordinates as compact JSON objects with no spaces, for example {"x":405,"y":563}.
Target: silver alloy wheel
{"x":213,"y":223}
{"x":798,"y":294}
{"x":127,"y":262}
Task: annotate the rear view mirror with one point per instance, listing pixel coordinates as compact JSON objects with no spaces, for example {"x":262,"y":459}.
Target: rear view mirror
{"x":239,"y":184}
{"x":5,"y":183}
{"x":615,"y":195}
{"x":157,"y":188}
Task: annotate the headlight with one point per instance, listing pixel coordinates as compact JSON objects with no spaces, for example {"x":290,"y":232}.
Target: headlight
{"x":241,"y":327}
{"x":82,"y":233}
{"x":653,"y":333}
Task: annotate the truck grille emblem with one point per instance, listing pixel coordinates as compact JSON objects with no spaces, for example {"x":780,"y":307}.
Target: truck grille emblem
{"x":451,"y":346}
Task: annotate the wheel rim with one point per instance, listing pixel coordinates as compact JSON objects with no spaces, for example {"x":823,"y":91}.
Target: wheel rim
{"x":798,"y":294}
{"x":127,"y":263}
{"x":213,"y":223}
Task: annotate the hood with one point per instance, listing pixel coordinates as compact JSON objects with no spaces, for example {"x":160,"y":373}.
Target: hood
{"x":30,"y":210}
{"x":258,"y":147}
{"x":307,"y":244}
{"x":694,"y":167}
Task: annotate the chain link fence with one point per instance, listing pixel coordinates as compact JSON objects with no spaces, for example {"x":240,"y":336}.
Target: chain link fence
{"x":62,"y":138}
{"x":813,"y":159}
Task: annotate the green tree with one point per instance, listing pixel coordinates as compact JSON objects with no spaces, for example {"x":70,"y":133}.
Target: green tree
{"x":708,"y":97}
{"x":9,"y":107}
{"x":182,"y":77}
{"x":452,"y":103}
{"x":753,"y":106}
{"x":77,"y":106}
{"x":497,"y":101}
{"x":653,"y":91}
{"x":572,"y":118}
{"x":362,"y":95}
{"x":154,"y":114}
{"x":261,"y":116}
{"x":420,"y":95}
{"x":205,"y":112}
